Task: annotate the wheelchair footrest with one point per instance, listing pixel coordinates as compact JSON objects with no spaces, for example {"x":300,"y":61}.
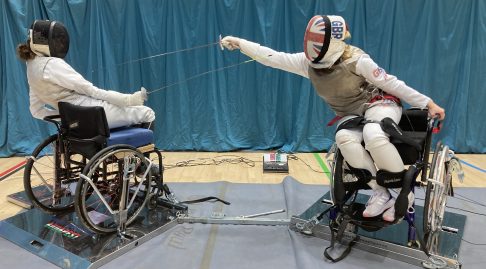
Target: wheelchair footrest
{"x":355,"y":212}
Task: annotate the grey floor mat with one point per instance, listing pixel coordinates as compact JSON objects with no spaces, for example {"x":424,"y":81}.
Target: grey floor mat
{"x":230,"y":246}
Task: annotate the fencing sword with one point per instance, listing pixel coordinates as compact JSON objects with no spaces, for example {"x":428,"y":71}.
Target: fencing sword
{"x":200,"y":75}
{"x":219,"y":42}
{"x":163,"y":54}
{"x":207,"y":72}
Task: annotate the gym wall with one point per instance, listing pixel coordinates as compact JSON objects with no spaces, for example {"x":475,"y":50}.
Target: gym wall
{"x":435,"y":46}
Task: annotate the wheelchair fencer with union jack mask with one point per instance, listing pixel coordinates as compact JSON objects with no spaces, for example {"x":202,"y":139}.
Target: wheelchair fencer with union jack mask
{"x":413,"y":138}
{"x":368,"y":100}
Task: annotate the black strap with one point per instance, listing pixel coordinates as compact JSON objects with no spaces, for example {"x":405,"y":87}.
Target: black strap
{"x":206,"y":199}
{"x":391,"y":128}
{"x":352,"y":123}
{"x":321,"y":216}
{"x":327,"y":39}
{"x":49,"y":38}
{"x":338,"y":237}
{"x":421,"y":241}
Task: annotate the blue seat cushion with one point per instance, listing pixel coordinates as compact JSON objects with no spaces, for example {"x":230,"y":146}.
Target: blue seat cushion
{"x":132,"y":136}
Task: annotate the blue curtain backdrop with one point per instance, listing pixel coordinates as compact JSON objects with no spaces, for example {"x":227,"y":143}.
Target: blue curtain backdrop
{"x":437,"y":47}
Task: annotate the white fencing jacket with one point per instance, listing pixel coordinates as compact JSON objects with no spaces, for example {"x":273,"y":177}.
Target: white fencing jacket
{"x":52,"y":80}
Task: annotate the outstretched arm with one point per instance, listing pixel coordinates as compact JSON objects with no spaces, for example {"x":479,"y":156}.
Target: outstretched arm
{"x":392,"y":85}
{"x":291,"y":62}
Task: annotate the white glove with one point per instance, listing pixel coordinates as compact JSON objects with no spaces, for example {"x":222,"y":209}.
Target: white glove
{"x":137,"y":98}
{"x":230,"y":42}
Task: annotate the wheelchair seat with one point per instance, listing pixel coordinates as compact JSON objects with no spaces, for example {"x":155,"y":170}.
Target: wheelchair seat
{"x":132,"y":136}
{"x":87,"y":131}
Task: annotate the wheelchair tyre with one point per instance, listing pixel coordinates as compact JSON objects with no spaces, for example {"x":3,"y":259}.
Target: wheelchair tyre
{"x":428,"y":190}
{"x":98,"y":203}
{"x":40,"y":182}
{"x":437,"y":190}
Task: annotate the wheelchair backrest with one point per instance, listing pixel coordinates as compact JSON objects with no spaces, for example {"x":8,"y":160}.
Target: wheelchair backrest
{"x":414,"y":120}
{"x":414,"y":123}
{"x":83,"y":122}
{"x":85,"y":129}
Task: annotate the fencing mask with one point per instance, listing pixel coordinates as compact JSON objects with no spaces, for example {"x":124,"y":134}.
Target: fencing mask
{"x":323,"y":40}
{"x":49,"y":38}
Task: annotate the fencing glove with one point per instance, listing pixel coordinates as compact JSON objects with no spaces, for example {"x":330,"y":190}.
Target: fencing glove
{"x":137,"y":98}
{"x":231,"y":42}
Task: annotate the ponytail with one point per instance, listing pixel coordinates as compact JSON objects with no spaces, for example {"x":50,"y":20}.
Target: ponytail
{"x":24,"y":52}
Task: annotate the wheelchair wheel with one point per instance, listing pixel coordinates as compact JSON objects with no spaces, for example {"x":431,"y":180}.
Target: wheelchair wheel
{"x":47,"y":182}
{"x":428,"y":190}
{"x":438,"y":187}
{"x":113,"y":189}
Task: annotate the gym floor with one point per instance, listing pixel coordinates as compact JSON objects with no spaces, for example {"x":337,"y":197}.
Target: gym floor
{"x":237,"y":167}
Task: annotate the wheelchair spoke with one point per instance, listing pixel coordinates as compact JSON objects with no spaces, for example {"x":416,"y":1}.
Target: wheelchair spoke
{"x":437,"y":190}
{"x":112,"y":192}
{"x":43,"y":179}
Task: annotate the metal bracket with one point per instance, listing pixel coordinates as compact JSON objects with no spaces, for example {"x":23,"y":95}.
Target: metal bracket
{"x":220,"y":218}
{"x":234,"y":221}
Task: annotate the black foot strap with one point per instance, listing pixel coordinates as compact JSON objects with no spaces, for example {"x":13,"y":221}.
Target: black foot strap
{"x":338,"y":237}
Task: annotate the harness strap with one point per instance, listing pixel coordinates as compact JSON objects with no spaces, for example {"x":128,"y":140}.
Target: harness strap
{"x":338,"y":237}
{"x":334,"y":120}
{"x":385,"y":96}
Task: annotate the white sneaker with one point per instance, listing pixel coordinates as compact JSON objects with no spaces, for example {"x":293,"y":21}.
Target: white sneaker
{"x":389,"y":215}
{"x":380,"y":201}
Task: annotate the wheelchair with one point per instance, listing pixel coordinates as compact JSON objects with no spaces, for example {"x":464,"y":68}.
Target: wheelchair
{"x":413,"y":138}
{"x":105,"y":175}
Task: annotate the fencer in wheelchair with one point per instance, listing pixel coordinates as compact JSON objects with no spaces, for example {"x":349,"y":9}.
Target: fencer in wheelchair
{"x":368,"y":102}
{"x":99,"y":162}
{"x":411,"y":139}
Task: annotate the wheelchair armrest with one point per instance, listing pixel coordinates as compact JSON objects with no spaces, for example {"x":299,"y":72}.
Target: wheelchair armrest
{"x":56,"y":119}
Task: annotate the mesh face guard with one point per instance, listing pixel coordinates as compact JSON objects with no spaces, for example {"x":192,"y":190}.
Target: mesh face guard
{"x":323,"y":40}
{"x":49,"y":38}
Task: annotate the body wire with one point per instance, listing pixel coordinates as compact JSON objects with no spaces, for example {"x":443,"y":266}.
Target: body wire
{"x":199,"y":75}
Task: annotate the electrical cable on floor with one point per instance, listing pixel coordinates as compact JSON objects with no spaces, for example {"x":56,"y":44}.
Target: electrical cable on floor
{"x":457,"y":208}
{"x":466,"y":199}
{"x":294,"y":157}
{"x":234,"y":159}
{"x":465,"y":210}
{"x":231,"y":159}
{"x":472,"y":243}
